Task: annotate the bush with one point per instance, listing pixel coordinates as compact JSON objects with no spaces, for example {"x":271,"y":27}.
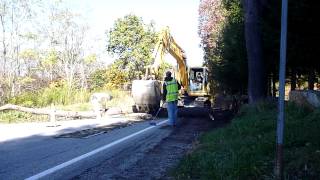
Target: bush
{"x":28,"y":99}
{"x":10,"y":116}
{"x":58,"y":93}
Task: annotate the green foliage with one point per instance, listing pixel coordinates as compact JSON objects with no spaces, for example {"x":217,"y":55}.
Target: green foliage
{"x":98,"y":78}
{"x":115,"y":77}
{"x":9,"y":116}
{"x":50,"y":59}
{"x":90,"y":58}
{"x":26,"y":80}
{"x":132,"y":42}
{"x":163,"y":68}
{"x":56,"y":93}
{"x":110,"y":78}
{"x":27,"y":99}
{"x":246,"y":148}
{"x":29,"y":54}
{"x":231,"y":69}
{"x":60,"y":93}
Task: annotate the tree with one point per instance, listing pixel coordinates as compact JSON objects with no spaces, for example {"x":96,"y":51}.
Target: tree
{"x":13,"y":14}
{"x":132,"y":42}
{"x":30,"y":61}
{"x":257,"y":78}
{"x":66,"y":38}
{"x":35,"y":53}
{"x":111,"y":78}
{"x":211,"y":21}
{"x":85,"y":69}
{"x":222,"y":26}
{"x":64,"y":52}
{"x":115,"y":77}
{"x":48,"y":62}
{"x":222,"y":38}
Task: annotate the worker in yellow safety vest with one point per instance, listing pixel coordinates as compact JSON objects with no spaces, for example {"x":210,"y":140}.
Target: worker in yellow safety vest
{"x":170,"y":95}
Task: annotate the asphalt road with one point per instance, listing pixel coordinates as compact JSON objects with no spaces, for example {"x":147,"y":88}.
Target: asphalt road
{"x":110,"y":156}
{"x":26,"y":157}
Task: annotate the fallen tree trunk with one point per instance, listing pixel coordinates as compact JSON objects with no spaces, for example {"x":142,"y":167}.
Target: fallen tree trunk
{"x":42,"y":111}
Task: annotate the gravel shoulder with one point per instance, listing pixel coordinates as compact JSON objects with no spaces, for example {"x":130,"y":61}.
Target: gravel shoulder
{"x":154,"y":161}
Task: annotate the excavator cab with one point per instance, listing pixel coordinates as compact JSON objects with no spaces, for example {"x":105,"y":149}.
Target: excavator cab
{"x":198,"y":81}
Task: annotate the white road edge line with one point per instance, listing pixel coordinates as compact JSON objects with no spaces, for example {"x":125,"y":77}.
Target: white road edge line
{"x":91,"y":153}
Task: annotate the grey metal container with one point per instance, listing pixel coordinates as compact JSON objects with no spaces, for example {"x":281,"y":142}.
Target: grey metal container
{"x":146,"y":95}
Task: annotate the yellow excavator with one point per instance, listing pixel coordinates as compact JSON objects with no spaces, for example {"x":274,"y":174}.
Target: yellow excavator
{"x":194,"y":80}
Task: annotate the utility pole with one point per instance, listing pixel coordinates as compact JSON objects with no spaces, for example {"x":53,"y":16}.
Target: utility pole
{"x":282,"y":76}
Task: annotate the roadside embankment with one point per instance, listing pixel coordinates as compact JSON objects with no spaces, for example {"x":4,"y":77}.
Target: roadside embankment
{"x":246,"y":148}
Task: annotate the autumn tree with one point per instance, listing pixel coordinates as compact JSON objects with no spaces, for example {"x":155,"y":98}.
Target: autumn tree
{"x":222,"y":38}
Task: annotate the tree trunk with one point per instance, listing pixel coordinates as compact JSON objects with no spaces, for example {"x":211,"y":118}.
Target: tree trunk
{"x":293,"y":79}
{"x":257,"y":85}
{"x":4,"y":51}
{"x":73,"y":114}
{"x":269,"y":86}
{"x":274,"y":89}
{"x":311,"y":79}
{"x":83,"y":76}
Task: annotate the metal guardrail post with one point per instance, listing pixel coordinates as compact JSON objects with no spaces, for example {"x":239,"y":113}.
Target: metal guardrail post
{"x":281,"y":108}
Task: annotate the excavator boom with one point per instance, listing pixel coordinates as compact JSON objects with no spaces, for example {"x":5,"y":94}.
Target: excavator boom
{"x":166,"y":43}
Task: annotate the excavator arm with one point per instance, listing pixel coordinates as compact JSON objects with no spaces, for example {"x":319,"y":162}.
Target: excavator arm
{"x":166,"y":43}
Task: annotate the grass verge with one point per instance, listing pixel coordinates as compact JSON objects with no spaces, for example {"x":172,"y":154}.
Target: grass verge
{"x":121,"y":99}
{"x":246,"y":148}
{"x":11,"y":116}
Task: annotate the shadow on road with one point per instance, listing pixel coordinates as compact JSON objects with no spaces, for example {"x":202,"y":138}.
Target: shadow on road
{"x":200,"y":112}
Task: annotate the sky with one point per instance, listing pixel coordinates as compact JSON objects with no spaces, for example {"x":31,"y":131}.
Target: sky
{"x":180,"y":15}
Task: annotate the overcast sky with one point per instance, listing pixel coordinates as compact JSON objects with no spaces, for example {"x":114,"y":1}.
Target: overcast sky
{"x":180,"y":15}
